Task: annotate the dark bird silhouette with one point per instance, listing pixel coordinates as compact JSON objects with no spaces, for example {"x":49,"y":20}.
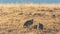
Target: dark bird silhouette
{"x":40,"y":26}
{"x":28,"y":23}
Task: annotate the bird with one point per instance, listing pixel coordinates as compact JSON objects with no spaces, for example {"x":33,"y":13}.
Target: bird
{"x":28,"y":23}
{"x":40,"y":26}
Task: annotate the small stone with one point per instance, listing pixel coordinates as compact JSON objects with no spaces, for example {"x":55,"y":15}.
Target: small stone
{"x":54,"y":16}
{"x":10,"y":30}
{"x":20,"y":14}
{"x":50,"y":10}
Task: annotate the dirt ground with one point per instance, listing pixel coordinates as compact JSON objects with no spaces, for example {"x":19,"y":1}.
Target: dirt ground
{"x":13,"y":17}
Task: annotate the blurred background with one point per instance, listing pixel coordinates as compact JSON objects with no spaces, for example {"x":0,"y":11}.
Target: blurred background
{"x":29,"y":1}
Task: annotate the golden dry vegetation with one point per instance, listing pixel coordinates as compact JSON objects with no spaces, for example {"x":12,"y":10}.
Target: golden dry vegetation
{"x":13,"y":17}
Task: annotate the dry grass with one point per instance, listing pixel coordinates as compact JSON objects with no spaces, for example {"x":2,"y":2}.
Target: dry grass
{"x":12,"y":18}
